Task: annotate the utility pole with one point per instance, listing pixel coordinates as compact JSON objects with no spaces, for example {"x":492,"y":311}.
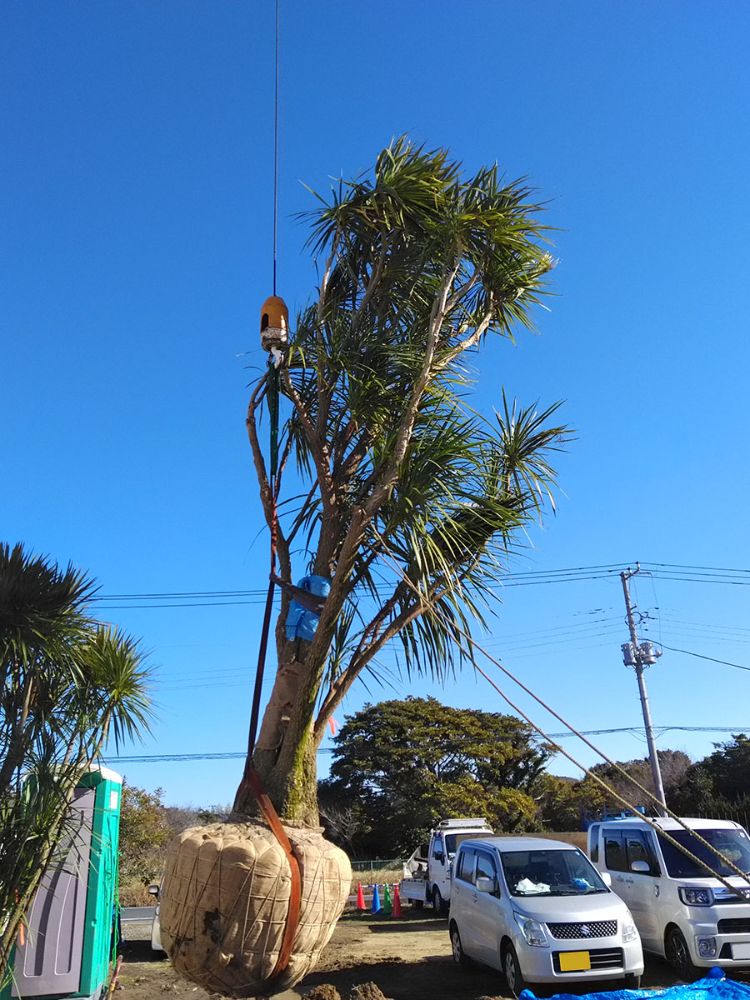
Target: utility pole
{"x":640,"y":655}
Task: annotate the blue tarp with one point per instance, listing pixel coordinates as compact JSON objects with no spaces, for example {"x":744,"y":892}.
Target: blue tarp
{"x":713,"y":987}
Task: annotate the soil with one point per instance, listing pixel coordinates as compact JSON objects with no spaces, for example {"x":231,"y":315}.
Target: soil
{"x":367,"y":958}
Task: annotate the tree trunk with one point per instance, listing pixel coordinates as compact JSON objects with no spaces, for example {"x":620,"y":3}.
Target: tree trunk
{"x":285,"y":751}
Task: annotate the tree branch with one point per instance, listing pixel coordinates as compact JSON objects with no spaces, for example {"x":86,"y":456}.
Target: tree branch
{"x":266,"y":493}
{"x":382,"y":480}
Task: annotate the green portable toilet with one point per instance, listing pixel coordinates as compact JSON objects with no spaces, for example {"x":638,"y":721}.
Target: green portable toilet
{"x":67,"y":946}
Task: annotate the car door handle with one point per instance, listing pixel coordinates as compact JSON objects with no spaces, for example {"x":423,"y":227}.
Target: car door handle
{"x":475,"y":897}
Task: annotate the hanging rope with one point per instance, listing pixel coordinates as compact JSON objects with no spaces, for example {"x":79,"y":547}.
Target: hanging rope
{"x":251,"y":780}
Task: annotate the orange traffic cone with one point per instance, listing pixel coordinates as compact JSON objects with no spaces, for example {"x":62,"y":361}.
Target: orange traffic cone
{"x":360,"y":897}
{"x":396,"y":905}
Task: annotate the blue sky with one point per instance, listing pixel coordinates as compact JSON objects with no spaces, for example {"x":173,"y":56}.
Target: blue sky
{"x":135,"y":247}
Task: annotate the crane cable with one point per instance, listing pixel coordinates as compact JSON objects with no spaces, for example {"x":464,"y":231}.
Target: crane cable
{"x":251,"y":780}
{"x":473,"y":644}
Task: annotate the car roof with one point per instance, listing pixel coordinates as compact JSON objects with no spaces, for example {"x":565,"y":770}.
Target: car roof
{"x":666,"y":823}
{"x":519,"y":844}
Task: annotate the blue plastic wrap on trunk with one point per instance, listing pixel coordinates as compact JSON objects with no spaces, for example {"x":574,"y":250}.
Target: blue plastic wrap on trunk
{"x":714,"y":987}
{"x":301,"y":622}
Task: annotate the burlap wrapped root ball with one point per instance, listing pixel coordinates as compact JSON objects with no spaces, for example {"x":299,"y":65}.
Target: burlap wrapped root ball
{"x":225,"y":899}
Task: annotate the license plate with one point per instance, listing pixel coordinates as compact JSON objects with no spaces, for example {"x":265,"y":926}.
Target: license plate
{"x":741,"y":951}
{"x":575,"y":961}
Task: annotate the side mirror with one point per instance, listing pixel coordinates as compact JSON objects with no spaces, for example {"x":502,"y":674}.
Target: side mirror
{"x":153,"y":890}
{"x":606,"y":879}
{"x":641,"y":867}
{"x":439,"y":857}
{"x":486,"y":885}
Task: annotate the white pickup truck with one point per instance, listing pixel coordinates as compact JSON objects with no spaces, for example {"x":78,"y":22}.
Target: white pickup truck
{"x":427,"y":873}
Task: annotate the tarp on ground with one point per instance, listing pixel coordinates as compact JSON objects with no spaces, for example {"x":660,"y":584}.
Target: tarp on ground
{"x":713,"y":987}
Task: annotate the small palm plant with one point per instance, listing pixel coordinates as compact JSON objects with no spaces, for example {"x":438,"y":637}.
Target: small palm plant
{"x":67,"y":684}
{"x":405,"y":506}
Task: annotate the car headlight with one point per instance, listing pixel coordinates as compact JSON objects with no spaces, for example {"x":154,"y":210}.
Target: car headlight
{"x":629,"y":932}
{"x":696,"y":897}
{"x":532,"y":930}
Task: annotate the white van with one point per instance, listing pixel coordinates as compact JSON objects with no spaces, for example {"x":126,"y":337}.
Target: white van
{"x":682,"y":913}
{"x":538,"y":911}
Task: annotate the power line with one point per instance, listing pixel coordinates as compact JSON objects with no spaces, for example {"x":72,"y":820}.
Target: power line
{"x":702,"y":656}
{"x":521,"y":578}
{"x":240,"y":754}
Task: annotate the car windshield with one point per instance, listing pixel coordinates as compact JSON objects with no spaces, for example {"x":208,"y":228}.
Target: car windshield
{"x":453,"y":840}
{"x":550,"y":873}
{"x":734,"y":844}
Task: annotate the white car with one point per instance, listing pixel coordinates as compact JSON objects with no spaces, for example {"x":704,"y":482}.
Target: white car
{"x":682,"y":912}
{"x":539,"y":911}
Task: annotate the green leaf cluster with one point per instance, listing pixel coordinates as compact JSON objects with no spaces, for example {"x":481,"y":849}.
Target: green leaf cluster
{"x":412,"y":501}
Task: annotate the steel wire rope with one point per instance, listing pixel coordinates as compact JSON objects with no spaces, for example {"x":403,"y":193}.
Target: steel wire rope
{"x":457,"y":629}
{"x":629,"y":806}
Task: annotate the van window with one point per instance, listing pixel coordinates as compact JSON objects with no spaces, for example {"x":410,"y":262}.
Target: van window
{"x":638,"y":848}
{"x":733,"y":844}
{"x":594,"y":842}
{"x":465,"y":866}
{"x":486,"y":868}
{"x":614,"y":851}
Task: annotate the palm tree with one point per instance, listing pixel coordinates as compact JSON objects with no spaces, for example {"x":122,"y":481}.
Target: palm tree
{"x":410,"y":500}
{"x":67,"y":685}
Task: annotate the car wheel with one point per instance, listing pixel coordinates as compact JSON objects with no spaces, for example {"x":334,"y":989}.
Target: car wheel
{"x":459,"y":955}
{"x":632,"y":982}
{"x":512,"y":970}
{"x":678,"y":954}
{"x":437,"y":901}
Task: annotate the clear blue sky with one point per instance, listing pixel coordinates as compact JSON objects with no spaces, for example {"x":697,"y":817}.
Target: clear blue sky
{"x":135,"y":182}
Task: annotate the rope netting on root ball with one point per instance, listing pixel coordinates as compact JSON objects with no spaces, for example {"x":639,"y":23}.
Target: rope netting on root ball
{"x":227,"y":903}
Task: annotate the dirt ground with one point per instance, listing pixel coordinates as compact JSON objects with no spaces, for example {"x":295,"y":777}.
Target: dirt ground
{"x":409,"y":959}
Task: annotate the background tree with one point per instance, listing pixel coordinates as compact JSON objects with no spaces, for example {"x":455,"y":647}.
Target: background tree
{"x":674,"y":766}
{"x":67,"y":684}
{"x":565,"y":804}
{"x":719,"y":785}
{"x":568,"y":803}
{"x":406,"y":500}
{"x":401,"y":766}
{"x":144,"y":832}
